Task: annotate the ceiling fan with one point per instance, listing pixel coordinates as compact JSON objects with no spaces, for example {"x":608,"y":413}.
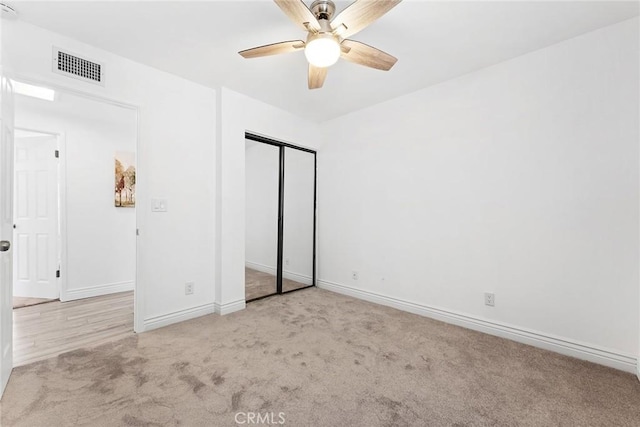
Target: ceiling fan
{"x":327,"y":39}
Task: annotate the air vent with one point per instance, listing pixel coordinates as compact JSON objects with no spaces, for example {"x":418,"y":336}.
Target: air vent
{"x":71,"y":65}
{"x":78,"y":66}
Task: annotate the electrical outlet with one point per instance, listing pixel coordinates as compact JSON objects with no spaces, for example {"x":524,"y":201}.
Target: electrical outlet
{"x":354,"y":275}
{"x":188,"y":288}
{"x":489,"y":299}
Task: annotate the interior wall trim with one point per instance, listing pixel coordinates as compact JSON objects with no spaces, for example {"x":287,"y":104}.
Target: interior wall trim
{"x":96,"y":291}
{"x":178,"y":316}
{"x":230,"y":307}
{"x":567,"y":347}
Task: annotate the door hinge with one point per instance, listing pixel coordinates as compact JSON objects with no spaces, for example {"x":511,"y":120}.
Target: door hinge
{"x":57,"y":273}
{"x":57,"y":154}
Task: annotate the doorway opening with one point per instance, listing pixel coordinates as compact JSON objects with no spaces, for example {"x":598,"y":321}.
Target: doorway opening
{"x":280,"y":238}
{"x":74,"y":251}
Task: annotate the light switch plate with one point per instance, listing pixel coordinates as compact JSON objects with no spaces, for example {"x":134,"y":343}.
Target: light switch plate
{"x":159,"y":205}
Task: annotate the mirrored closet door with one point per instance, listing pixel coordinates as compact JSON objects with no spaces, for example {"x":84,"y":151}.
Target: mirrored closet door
{"x":261,"y":232}
{"x":299,"y":219}
{"x":280,"y":217}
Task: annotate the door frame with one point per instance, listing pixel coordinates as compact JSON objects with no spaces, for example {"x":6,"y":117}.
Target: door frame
{"x":281,"y":178}
{"x":61,"y":241}
{"x":138,"y":296}
{"x":6,"y":257}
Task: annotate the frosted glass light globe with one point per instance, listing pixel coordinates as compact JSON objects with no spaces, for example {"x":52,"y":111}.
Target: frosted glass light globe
{"x":323,"y":51}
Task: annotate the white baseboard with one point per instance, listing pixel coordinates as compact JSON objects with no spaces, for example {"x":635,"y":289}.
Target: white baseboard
{"x":564,"y":346}
{"x":230,"y":307}
{"x":96,"y":291}
{"x":296,"y":277}
{"x":176,"y":317}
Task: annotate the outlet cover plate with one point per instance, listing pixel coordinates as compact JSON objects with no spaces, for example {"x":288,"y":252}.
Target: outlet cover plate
{"x":188,"y":288}
{"x":489,"y":299}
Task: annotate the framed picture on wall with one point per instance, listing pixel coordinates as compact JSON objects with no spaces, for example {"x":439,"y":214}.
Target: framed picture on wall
{"x":125,"y":189}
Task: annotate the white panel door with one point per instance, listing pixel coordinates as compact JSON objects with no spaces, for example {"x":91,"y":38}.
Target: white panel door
{"x":35,"y":260}
{"x":6,"y":232}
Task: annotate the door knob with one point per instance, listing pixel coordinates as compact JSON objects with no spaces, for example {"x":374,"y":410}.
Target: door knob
{"x":5,"y":245}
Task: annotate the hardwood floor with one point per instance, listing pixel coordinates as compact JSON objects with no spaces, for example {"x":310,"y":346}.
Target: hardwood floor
{"x":47,"y":330}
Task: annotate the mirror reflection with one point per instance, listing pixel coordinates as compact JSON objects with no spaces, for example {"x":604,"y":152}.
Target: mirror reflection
{"x":298,"y":256}
{"x":261,"y":236}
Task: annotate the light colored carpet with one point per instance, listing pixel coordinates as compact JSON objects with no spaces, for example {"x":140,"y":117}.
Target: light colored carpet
{"x":259,"y":284}
{"x":321,"y":359}
{"x":19,"y":302}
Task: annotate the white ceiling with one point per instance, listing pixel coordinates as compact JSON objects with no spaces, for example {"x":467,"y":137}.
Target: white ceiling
{"x":434,"y":41}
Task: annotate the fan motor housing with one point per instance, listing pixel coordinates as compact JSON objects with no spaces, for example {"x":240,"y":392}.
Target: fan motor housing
{"x":323,"y":9}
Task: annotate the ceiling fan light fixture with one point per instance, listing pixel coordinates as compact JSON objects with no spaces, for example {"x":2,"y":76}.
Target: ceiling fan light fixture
{"x":322,"y":50}
{"x":328,"y":36}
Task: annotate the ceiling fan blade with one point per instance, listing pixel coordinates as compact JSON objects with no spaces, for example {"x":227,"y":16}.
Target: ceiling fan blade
{"x":360,"y":14}
{"x":317,"y":76}
{"x":299,"y":13}
{"x":368,"y":56}
{"x":272,"y":49}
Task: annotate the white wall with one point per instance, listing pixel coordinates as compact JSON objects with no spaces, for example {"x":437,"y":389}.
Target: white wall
{"x":176,"y":151}
{"x":238,"y":113}
{"x":519,"y":179}
{"x":100,"y":238}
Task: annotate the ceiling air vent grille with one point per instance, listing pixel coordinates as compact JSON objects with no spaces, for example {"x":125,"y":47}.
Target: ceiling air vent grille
{"x":74,"y":66}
